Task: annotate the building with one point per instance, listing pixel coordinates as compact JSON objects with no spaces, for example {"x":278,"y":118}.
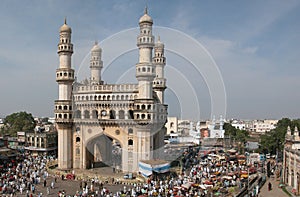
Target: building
{"x":41,"y":142}
{"x":291,"y":160}
{"x":172,"y":125}
{"x":92,"y":117}
{"x":239,"y":124}
{"x":261,"y":126}
{"x":215,"y":129}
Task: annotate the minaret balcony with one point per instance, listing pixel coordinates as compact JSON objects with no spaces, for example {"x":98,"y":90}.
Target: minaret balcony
{"x":159,"y":83}
{"x":159,"y":60}
{"x":63,"y":74}
{"x":65,"y":48}
{"x":63,"y":109}
{"x":145,"y":40}
{"x":145,"y":70}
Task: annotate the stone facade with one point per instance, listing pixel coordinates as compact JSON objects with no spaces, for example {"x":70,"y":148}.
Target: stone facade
{"x":40,"y":142}
{"x":291,"y":160}
{"x":92,"y":117}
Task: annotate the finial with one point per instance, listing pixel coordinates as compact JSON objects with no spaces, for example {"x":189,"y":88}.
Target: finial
{"x":146,"y":10}
{"x":296,"y":129}
{"x":158,"y":38}
{"x":65,"y":20}
{"x":96,"y":42}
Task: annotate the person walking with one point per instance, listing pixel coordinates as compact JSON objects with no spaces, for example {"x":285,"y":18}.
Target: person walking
{"x":270,"y":186}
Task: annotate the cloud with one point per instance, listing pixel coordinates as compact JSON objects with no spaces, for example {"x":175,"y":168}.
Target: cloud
{"x":255,"y":46}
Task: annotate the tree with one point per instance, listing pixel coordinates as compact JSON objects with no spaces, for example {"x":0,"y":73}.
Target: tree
{"x":20,"y":121}
{"x":239,"y":136}
{"x":273,"y":141}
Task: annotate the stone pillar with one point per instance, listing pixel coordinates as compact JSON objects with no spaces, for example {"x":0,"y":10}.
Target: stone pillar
{"x":35,"y":141}
{"x":40,"y":139}
{"x":117,"y":114}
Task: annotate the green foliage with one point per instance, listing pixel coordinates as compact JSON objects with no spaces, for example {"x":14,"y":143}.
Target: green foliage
{"x":273,"y":141}
{"x":20,"y":121}
{"x":236,"y":134}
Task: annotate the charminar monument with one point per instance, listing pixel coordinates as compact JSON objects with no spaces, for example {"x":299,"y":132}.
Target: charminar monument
{"x":93,"y":118}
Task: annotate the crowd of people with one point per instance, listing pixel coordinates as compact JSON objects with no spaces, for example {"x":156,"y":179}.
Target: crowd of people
{"x":22,"y":176}
{"x":200,"y":175}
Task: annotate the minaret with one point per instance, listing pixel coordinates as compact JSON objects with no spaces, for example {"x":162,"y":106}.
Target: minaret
{"x":221,"y":122}
{"x":63,"y":106}
{"x":145,"y":72}
{"x":288,"y":133}
{"x":159,"y":83}
{"x":96,"y":64}
{"x":296,"y":132}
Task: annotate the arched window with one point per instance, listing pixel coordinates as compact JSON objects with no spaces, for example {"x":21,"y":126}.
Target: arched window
{"x":112,"y":114}
{"x":143,"y":116}
{"x":130,"y":131}
{"x":77,"y":139}
{"x":86,"y":114}
{"x":130,"y":114}
{"x":130,"y":142}
{"x":94,"y":114}
{"x":77,"y":114}
{"x":143,"y":107}
{"x":121,"y":114}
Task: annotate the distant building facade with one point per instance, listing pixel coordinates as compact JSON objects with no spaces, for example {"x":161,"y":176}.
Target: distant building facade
{"x":261,"y":126}
{"x":41,"y":142}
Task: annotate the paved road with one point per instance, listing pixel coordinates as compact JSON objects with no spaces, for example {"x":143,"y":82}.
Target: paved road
{"x":275,"y":192}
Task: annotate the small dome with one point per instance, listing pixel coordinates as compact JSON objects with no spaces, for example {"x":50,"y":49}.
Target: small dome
{"x":146,"y":17}
{"x":65,"y":28}
{"x":96,"y":48}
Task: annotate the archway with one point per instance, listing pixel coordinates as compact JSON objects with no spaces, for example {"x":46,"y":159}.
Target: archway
{"x":103,"y":151}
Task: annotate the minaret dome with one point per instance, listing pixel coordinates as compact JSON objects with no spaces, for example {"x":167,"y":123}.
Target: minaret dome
{"x":146,"y":18}
{"x":65,"y":27}
{"x":96,"y":48}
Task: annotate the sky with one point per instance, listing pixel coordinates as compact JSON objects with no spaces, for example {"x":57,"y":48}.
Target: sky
{"x":238,"y":59}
